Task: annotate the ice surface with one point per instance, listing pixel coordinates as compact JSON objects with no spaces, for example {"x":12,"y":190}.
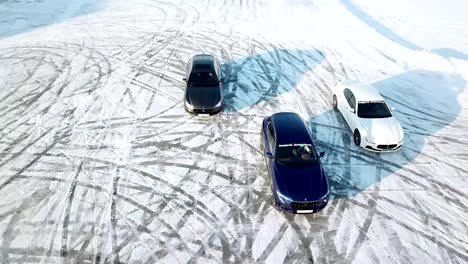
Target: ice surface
{"x":100,"y":163}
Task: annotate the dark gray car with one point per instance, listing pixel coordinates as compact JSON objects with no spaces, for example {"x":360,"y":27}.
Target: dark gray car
{"x":203,"y":92}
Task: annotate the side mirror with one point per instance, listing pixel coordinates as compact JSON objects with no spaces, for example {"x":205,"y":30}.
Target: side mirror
{"x":392,"y":108}
{"x":184,"y":79}
{"x":321,"y":154}
{"x":268,"y":154}
{"x":351,"y":110}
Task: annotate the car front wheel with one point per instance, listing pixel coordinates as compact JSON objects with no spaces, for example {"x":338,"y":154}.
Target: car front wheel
{"x":272,"y":195}
{"x":335,"y":102}
{"x":261,"y":141}
{"x":357,"y":137}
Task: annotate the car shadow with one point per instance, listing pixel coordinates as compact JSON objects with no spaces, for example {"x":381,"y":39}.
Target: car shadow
{"x":388,"y":33}
{"x":251,"y":80}
{"x":425,"y":103}
{"x":20,"y":16}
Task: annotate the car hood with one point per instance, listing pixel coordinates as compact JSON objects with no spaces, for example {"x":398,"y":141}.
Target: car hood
{"x":382,"y":130}
{"x":203,"y":97}
{"x":301,"y":183}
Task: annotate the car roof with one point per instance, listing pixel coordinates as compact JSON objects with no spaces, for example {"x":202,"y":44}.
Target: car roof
{"x":203,"y":62}
{"x":363,"y":92}
{"x":290,"y":129}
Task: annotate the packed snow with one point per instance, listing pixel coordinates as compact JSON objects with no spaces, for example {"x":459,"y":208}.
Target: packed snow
{"x":100,"y":163}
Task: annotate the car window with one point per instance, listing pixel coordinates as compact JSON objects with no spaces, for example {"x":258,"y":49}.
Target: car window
{"x":296,"y":154}
{"x":189,"y":67}
{"x":352,"y":102}
{"x":271,"y":136}
{"x":350,"y":98}
{"x":378,"y":109}
{"x":204,"y":79}
{"x":347,"y":93}
{"x":201,"y":66}
{"x":217,"y":68}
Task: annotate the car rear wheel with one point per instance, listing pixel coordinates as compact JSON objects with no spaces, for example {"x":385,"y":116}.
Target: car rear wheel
{"x":335,"y":102}
{"x":357,"y":137}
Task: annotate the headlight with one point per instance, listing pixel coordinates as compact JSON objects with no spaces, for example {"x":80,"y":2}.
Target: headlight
{"x":282,"y":197}
{"x":370,"y":140}
{"x":219,"y":103}
{"x":189,"y":106}
{"x":325,"y":197}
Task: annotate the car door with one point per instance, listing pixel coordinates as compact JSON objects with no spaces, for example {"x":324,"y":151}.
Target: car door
{"x":352,"y":112}
{"x":188,"y":70}
{"x":346,"y":105}
{"x":270,"y":146}
{"x":217,"y":67}
{"x":340,"y":98}
{"x":343,"y":101}
{"x":349,"y":108}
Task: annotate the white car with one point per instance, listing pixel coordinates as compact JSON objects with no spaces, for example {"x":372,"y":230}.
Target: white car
{"x":372,"y":122}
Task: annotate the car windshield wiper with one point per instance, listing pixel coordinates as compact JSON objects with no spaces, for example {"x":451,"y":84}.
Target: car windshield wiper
{"x":201,"y":84}
{"x":298,"y":163}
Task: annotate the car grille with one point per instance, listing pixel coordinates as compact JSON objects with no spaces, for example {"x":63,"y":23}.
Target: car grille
{"x":392,"y":146}
{"x":304,"y":205}
{"x":202,"y":111}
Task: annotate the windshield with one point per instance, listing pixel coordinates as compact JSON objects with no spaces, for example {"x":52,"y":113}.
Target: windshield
{"x":203,"y":79}
{"x":296,"y":154}
{"x":373,"y":110}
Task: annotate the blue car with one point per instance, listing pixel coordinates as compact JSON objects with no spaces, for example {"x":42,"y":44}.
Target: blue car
{"x":298,"y":181}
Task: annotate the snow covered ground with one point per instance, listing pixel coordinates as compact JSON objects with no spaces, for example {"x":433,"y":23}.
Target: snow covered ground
{"x":99,"y":162}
